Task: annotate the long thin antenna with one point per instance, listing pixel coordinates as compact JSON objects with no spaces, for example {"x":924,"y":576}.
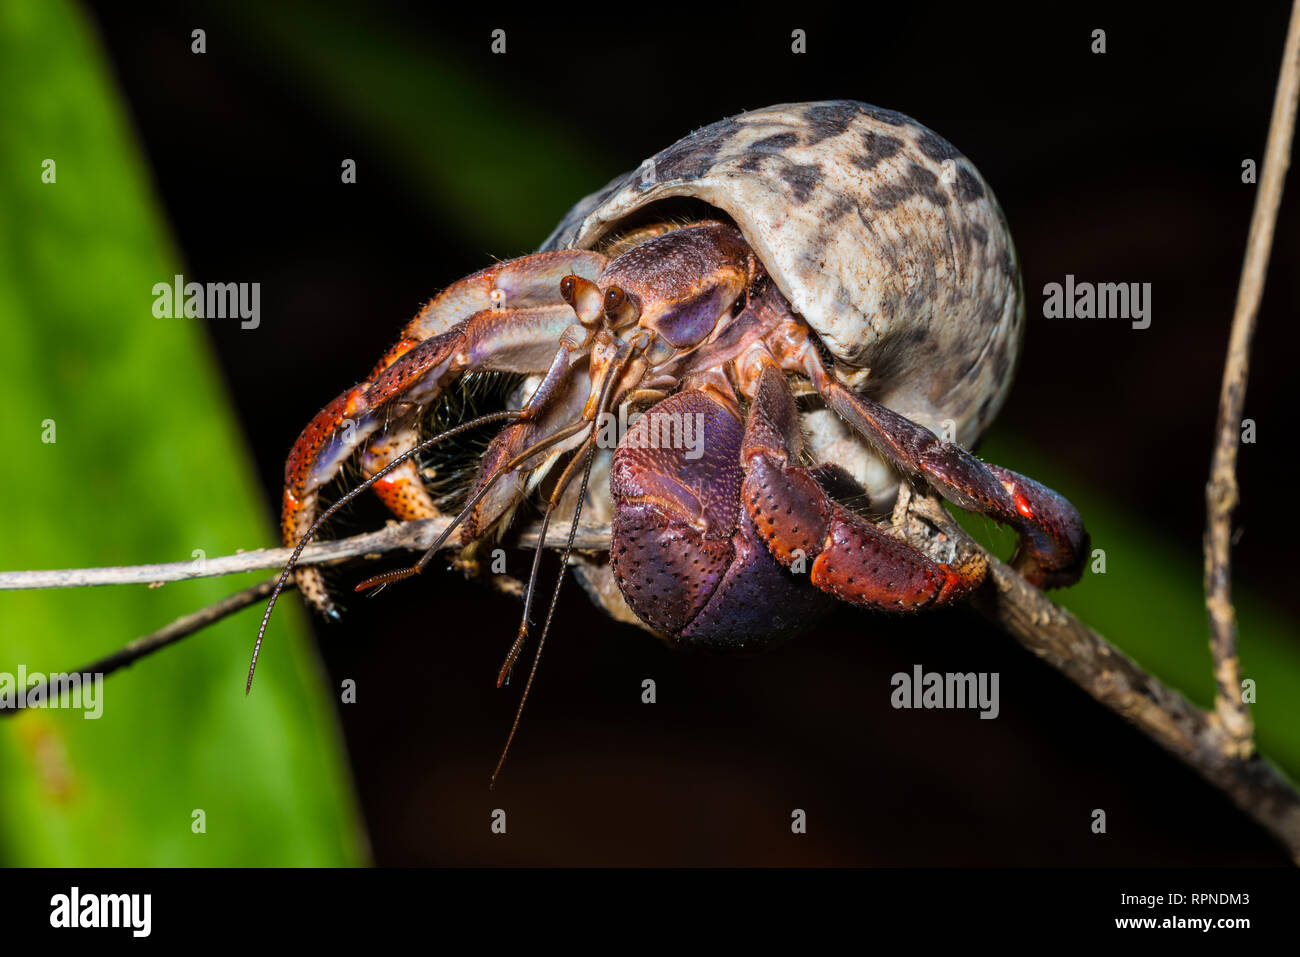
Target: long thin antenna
{"x":561,"y":486}
{"x":609,"y":395}
{"x":325,"y":515}
{"x":550,"y":614}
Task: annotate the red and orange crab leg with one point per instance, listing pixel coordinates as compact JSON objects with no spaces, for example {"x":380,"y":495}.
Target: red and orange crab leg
{"x":847,"y":556}
{"x":1053,"y":543}
{"x":508,"y":318}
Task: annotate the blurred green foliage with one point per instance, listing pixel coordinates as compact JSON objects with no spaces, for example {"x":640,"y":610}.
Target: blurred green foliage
{"x":147,"y":465}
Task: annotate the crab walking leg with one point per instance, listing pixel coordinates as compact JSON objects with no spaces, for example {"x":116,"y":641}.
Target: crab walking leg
{"x":519,"y":338}
{"x":574,"y":339}
{"x":531,"y":280}
{"x":848,"y":556}
{"x":527,"y":281}
{"x":402,"y":490}
{"x":556,"y":403}
{"x":1053,"y":543}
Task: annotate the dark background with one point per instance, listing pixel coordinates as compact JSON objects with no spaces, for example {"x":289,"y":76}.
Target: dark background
{"x":1121,"y":167}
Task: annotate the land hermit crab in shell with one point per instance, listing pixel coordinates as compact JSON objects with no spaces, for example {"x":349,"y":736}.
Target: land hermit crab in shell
{"x":807,"y":304}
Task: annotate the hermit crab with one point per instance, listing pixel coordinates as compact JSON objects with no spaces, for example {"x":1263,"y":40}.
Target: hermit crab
{"x":807,"y":304}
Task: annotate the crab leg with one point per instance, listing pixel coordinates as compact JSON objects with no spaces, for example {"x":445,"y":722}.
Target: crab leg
{"x":614,"y":367}
{"x":847,"y":556}
{"x":555,"y":404}
{"x":527,"y":281}
{"x":507,"y":318}
{"x":1053,"y":542}
{"x":402,"y":490}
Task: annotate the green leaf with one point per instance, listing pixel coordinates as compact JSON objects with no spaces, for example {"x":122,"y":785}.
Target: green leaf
{"x":146,"y":465}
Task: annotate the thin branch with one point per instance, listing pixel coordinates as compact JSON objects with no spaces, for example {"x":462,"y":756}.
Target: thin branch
{"x":1221,"y":494}
{"x":182,"y":627}
{"x":1192,"y":735}
{"x":411,"y":536}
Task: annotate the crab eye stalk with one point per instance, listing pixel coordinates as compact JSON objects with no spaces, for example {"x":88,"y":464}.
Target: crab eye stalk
{"x":620,"y":308}
{"x":585,"y":298}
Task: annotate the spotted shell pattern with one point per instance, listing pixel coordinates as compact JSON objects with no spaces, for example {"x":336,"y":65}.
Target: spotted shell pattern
{"x":881,"y":235}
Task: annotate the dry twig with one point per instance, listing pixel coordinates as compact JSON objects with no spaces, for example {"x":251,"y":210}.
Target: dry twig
{"x":1221,"y":494}
{"x":412,"y":536}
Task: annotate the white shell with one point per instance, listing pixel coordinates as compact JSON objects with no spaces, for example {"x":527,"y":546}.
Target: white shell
{"x":882,"y":236}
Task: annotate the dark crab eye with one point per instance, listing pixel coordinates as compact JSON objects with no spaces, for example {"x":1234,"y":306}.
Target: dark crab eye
{"x":566,"y":288}
{"x":615,"y":299}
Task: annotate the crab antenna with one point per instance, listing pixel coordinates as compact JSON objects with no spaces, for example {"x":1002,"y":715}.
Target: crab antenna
{"x":351,"y":494}
{"x":561,"y":486}
{"x":386,"y":578}
{"x":609,"y":394}
{"x":550,"y":614}
{"x":513,"y":654}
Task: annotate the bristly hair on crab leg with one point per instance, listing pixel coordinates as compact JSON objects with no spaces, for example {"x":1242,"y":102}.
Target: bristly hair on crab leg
{"x":387,"y":578}
{"x":349,"y":496}
{"x":544,"y":395}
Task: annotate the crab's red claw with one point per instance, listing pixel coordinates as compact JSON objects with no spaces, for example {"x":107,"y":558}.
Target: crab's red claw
{"x":300,"y":495}
{"x":1054,"y":545}
{"x":850,"y":558}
